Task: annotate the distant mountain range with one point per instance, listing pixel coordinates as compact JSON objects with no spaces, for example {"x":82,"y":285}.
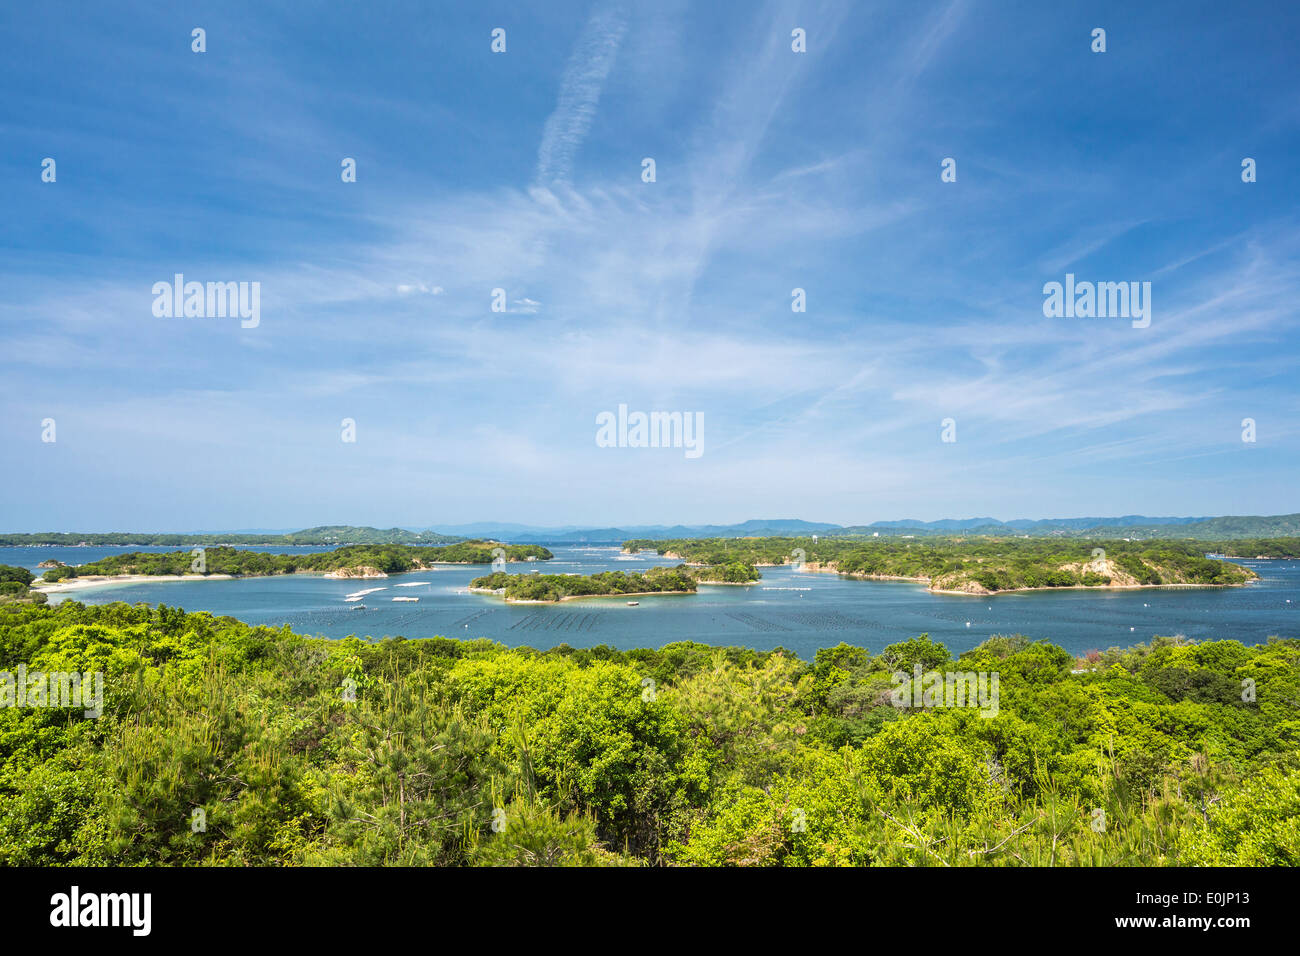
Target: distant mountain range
{"x":1128,"y":526}
{"x":1139,"y":526}
{"x":528,"y":534}
{"x":1136,"y":526}
{"x":1027,"y":524}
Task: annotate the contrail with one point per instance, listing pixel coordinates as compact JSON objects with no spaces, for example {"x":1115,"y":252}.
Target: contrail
{"x":584,"y":77}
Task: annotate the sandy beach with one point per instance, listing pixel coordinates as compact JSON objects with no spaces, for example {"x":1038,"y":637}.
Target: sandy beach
{"x":98,"y":580}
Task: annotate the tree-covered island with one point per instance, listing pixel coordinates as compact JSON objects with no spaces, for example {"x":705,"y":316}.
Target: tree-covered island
{"x":986,"y":565}
{"x":549,"y":588}
{"x":348,"y":561}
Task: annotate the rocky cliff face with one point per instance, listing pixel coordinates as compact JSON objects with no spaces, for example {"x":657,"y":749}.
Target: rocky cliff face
{"x":362,"y":572}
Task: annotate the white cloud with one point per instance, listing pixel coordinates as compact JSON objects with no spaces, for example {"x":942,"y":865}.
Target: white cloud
{"x":580,"y":88}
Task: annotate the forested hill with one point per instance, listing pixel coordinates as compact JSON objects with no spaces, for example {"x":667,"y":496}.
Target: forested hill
{"x":1239,"y":526}
{"x":441,"y":752}
{"x":1132,"y":526}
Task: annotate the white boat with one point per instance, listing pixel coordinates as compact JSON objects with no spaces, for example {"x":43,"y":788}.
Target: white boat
{"x":633,"y":603}
{"x":405,"y":599}
{"x":357,"y":607}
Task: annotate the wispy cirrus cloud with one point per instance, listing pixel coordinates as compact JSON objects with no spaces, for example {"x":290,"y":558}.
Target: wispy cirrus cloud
{"x":778,"y":170}
{"x":580,"y":87}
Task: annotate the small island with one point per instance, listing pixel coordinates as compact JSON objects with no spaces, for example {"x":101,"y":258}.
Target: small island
{"x":553,"y":588}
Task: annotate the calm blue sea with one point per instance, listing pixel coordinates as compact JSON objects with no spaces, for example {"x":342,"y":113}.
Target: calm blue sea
{"x":798,"y":611}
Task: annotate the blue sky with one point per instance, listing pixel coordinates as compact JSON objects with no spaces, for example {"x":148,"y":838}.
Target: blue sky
{"x":775,"y":170}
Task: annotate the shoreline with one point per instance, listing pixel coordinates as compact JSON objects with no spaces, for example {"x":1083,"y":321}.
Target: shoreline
{"x":99,"y":580}
{"x":984,"y":592}
{"x":80,"y":583}
{"x":574,"y":597}
{"x":94,"y":581}
{"x":861,"y":576}
{"x":1086,"y":587}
